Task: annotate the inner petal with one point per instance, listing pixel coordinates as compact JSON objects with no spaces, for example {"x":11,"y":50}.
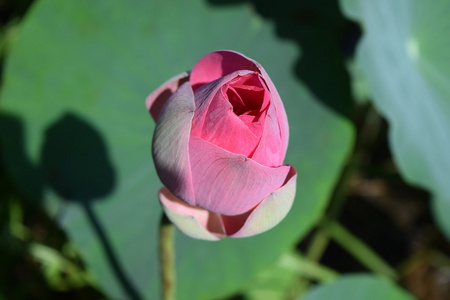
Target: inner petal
{"x":236,"y":101}
{"x":249,"y":101}
{"x":235,"y":115}
{"x":251,"y":119}
{"x":252,"y":96}
{"x":220,"y":126}
{"x":248,"y":93}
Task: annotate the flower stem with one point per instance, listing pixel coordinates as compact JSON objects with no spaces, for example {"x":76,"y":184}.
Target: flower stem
{"x":167,"y":258}
{"x":306,"y":268}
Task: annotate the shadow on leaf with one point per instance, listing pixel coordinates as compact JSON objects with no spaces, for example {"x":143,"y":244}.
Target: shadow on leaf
{"x":324,"y":37}
{"x":75,"y":163}
{"x":75,"y":160}
{"x":77,"y":166}
{"x":24,"y":173}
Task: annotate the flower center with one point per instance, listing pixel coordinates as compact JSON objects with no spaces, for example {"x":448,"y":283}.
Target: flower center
{"x":248,"y":96}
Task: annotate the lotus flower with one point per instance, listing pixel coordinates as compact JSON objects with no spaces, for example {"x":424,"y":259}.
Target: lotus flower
{"x":219,"y":144}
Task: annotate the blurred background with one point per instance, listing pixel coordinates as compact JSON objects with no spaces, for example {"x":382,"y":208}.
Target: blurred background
{"x":366,"y":88}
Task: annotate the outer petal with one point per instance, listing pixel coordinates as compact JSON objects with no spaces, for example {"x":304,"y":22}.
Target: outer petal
{"x":192,"y":221}
{"x":218,"y":64}
{"x":156,"y":100}
{"x":267,"y":214}
{"x":271,"y":149}
{"x":171,"y":143}
{"x":228,"y":183}
{"x":280,"y":112}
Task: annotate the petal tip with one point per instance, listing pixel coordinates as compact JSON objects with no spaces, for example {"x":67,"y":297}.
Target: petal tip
{"x":271,"y":211}
{"x":156,"y":100}
{"x":192,"y":221}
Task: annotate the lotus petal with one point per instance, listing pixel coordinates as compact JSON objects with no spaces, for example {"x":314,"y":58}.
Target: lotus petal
{"x":270,"y":150}
{"x":192,"y":221}
{"x":228,"y":183}
{"x":215,"y":121}
{"x":156,"y":100}
{"x":279,"y":108}
{"x":171,"y":143}
{"x":267,"y":214}
{"x":219,"y":64}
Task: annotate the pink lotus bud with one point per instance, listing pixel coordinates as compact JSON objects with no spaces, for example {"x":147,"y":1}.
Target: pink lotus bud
{"x":219,"y":144}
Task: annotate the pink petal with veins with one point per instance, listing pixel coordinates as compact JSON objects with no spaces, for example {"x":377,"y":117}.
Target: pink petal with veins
{"x":171,"y":143}
{"x":228,"y":183}
{"x":192,"y":221}
{"x":216,"y":122}
{"x":219,"y":64}
{"x":270,"y":150}
{"x":267,"y":214}
{"x":156,"y":100}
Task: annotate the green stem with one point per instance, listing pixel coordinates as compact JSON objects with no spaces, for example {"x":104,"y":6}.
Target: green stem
{"x":363,"y":253}
{"x":318,"y":245}
{"x":167,"y":258}
{"x":306,"y":268}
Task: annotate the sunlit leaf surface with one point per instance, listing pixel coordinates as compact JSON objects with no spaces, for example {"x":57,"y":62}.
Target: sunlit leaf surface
{"x":406,"y":60}
{"x":357,"y":287}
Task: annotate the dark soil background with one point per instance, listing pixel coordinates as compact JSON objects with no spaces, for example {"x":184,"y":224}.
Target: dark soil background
{"x":393,"y":218}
